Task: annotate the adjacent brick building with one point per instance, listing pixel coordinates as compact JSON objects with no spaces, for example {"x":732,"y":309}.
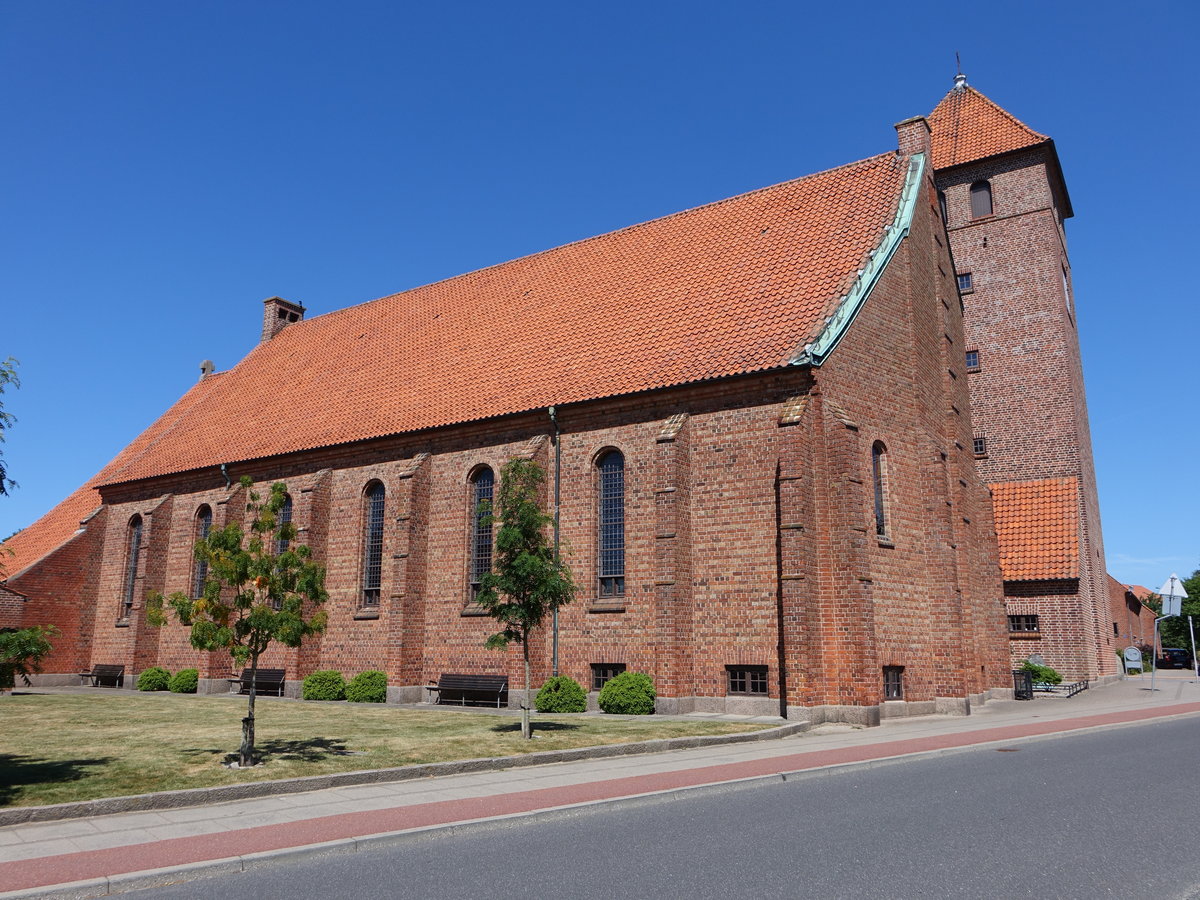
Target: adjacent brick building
{"x":770,"y":496}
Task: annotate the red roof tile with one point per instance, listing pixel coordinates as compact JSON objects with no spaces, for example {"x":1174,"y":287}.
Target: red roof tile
{"x":55,"y":527}
{"x":1037,"y":528}
{"x":967,"y":126}
{"x":733,"y":287}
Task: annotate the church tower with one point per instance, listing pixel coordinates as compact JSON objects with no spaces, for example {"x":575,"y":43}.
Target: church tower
{"x":1004,"y":201}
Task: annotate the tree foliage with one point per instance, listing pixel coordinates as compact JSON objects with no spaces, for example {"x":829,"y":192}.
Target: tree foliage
{"x":8,"y":378}
{"x":22,"y":651}
{"x":254,"y":595}
{"x":527,"y":582}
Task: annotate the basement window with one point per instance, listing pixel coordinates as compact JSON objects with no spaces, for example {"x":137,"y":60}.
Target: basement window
{"x":747,"y":680}
{"x":893,"y":682}
{"x":603,"y":672}
{"x":1024,"y":624}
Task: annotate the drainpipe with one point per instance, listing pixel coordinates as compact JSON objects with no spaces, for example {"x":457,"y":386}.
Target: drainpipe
{"x":225,"y":472}
{"x":557,"y":509}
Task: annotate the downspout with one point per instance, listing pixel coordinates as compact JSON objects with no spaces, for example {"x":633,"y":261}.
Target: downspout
{"x":225,"y":472}
{"x":557,"y":509}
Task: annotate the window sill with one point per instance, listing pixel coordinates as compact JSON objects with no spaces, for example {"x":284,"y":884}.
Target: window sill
{"x":608,"y":605}
{"x":1025,"y":635}
{"x":367,"y":614}
{"x":473,"y":609}
{"x":884,"y":541}
{"x":121,"y":623}
{"x":746,"y":694}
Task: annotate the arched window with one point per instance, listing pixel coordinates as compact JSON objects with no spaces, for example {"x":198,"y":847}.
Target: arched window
{"x":283,"y":517}
{"x":200,"y":569}
{"x":610,"y":563}
{"x":483,"y":486}
{"x":981,"y":199}
{"x":942,"y":207}
{"x":879,"y":481}
{"x":372,"y":570}
{"x":133,"y":551}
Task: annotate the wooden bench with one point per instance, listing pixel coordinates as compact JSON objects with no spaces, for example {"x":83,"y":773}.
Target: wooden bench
{"x":104,"y":675}
{"x":464,"y":689}
{"x":266,"y":681}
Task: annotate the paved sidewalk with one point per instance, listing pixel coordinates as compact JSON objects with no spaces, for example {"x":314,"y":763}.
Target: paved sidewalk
{"x":114,"y":853}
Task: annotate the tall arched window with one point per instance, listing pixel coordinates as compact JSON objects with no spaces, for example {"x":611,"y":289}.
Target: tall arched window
{"x":283,"y":517}
{"x":879,"y":481}
{"x":372,"y":570}
{"x":133,"y":551}
{"x":200,"y":569}
{"x":483,"y":487}
{"x":981,"y":199}
{"x":610,"y":563}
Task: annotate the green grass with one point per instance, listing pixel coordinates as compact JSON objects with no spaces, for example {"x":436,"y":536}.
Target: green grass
{"x":58,"y":748}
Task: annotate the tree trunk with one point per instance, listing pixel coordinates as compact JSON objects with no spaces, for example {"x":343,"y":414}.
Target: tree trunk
{"x":246,"y":751}
{"x":526,"y":725}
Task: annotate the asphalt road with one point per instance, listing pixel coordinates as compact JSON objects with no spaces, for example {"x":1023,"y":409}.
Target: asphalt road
{"x":1080,"y":816}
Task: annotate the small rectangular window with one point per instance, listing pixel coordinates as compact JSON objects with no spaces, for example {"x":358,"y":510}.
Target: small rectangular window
{"x":750,"y":680}
{"x":893,"y":682}
{"x":979,"y":444}
{"x":602,"y":672}
{"x":972,"y":360}
{"x":1023,"y":624}
{"x":966,"y":283}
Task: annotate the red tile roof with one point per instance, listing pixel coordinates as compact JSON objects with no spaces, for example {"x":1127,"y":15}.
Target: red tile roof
{"x":733,"y":287}
{"x":55,"y":527}
{"x":1037,"y":528}
{"x":967,"y":126}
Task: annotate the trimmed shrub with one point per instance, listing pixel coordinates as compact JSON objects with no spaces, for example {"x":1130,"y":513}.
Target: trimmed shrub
{"x":184,"y":682}
{"x":153,"y":679}
{"x":629,"y":694}
{"x":367,"y":687}
{"x":325,"y":684}
{"x":1041,"y":674}
{"x":561,"y":695}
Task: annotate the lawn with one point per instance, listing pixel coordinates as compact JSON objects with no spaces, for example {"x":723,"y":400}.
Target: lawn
{"x":57,"y":748}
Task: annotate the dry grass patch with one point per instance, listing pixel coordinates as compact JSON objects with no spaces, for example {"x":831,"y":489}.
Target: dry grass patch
{"x":57,"y":748}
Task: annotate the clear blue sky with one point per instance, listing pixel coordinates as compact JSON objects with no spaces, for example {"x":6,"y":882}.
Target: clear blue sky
{"x":166,"y":166}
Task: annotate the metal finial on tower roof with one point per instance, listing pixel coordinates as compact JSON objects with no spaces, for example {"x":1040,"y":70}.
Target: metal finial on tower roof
{"x":960,"y":80}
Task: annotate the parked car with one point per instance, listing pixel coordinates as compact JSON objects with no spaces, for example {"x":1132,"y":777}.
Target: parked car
{"x":1175,"y":658}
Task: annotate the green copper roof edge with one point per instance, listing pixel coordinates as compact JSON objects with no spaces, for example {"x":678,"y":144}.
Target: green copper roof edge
{"x":836,"y":325}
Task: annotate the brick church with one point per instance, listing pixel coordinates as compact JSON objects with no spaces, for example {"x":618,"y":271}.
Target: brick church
{"x":822,"y":451}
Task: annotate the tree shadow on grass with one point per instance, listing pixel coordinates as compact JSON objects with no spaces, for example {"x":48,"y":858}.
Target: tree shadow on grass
{"x":18,"y":771}
{"x":309,"y":750}
{"x":537,"y":726}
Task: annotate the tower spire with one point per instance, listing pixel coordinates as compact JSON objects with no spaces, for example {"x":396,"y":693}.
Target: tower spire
{"x":960,"y":80}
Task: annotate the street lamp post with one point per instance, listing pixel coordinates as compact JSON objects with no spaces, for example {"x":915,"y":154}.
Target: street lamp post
{"x":1173,"y":595}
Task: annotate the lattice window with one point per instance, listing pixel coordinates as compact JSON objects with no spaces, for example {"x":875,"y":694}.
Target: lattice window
{"x":1025,"y":624}
{"x":973,"y":361}
{"x":751,"y":680}
{"x":610,"y":566}
{"x":979,"y":445}
{"x":204,"y":519}
{"x":283,"y":517}
{"x":893,"y":682}
{"x":602,"y":672}
{"x":879,"y":480}
{"x":372,"y":572}
{"x":966,"y":283}
{"x":133,"y":552}
{"x":483,"y":487}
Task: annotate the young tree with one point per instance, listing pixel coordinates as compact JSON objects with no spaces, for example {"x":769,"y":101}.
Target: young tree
{"x":22,"y":651}
{"x":261,"y":587}
{"x":526,"y":581}
{"x":8,"y":376}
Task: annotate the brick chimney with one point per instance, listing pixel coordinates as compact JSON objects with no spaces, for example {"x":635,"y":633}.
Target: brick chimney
{"x":278,"y":314}
{"x":913,"y":135}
